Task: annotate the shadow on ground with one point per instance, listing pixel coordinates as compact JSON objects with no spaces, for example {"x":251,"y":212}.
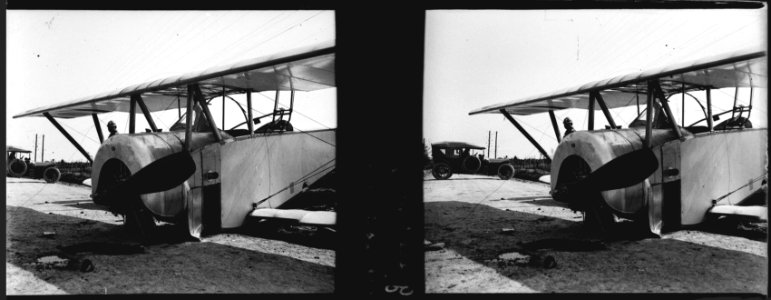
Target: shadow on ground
{"x":635,"y":264}
{"x":172,"y":267}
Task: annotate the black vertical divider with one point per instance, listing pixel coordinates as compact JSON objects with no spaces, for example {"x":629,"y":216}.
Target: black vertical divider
{"x":379,"y":74}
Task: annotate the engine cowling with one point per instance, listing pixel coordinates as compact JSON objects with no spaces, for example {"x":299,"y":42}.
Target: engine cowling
{"x":134,"y":152}
{"x":596,"y":148}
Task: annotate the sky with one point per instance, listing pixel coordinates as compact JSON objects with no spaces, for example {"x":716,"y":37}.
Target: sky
{"x":484,"y":57}
{"x":58,"y":56}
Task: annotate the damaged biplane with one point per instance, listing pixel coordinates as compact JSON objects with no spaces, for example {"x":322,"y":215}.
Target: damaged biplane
{"x":657,"y":171}
{"x":197,"y":172}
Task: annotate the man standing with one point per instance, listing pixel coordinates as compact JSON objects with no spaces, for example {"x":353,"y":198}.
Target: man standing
{"x":568,"y":127}
{"x":112,"y":128}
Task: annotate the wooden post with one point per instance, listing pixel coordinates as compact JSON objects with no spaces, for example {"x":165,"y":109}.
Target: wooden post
{"x":489,"y":132}
{"x":496,"y":144}
{"x":43,"y":149}
{"x":35,"y":148}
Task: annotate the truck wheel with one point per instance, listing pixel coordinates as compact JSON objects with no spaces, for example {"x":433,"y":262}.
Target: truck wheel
{"x":506,"y":171}
{"x":17,"y":168}
{"x":441,"y":171}
{"x":471,"y":164}
{"x":52,"y":174}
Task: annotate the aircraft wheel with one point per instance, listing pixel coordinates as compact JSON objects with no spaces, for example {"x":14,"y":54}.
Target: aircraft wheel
{"x":598,"y":217}
{"x":506,"y":171}
{"x":441,"y":171}
{"x":52,"y":174}
{"x":471,"y":164}
{"x":17,"y":168}
{"x":139,"y":220}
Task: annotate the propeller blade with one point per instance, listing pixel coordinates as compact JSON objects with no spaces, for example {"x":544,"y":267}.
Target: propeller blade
{"x":623,"y":171}
{"x":160,"y":175}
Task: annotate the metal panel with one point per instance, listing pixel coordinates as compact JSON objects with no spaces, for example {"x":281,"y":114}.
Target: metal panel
{"x":713,"y":165}
{"x":268,"y":170}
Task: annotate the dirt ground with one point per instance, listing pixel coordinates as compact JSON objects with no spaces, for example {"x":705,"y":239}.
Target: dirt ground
{"x":480,"y":228}
{"x":278,"y":259}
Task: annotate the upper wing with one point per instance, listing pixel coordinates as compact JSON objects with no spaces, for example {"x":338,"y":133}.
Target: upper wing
{"x":738,"y":69}
{"x":304,"y":69}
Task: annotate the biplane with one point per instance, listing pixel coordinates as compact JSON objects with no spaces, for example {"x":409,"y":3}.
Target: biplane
{"x":198,"y":173}
{"x":657,"y":172}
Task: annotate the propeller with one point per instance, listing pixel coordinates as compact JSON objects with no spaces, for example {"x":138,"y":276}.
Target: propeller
{"x":160,"y":175}
{"x":623,"y":171}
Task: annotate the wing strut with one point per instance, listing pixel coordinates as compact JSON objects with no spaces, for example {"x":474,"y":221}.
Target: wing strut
{"x":68,"y":136}
{"x":654,"y":84}
{"x":553,"y":124}
{"x":138,"y":99}
{"x":132,"y":114}
{"x":597,"y":97}
{"x":249,"y":123}
{"x":205,"y":108}
{"x":525,"y":133}
{"x":189,"y":117}
{"x":590,"y":126}
{"x":98,"y":128}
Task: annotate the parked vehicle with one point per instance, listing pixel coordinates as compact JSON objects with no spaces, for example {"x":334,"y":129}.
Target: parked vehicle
{"x":455,"y":158}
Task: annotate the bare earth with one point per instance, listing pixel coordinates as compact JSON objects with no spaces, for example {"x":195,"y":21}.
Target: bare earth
{"x":479,"y":218}
{"x":236,"y":262}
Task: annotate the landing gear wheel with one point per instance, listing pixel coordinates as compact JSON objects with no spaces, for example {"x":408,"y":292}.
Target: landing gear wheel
{"x":506,"y":171}
{"x":139,"y":220}
{"x":441,"y":171}
{"x":598,"y":217}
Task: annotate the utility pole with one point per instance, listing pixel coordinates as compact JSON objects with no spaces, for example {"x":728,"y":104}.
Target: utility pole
{"x":496,"y":144}
{"x":43,"y":149}
{"x":35,"y":148}
{"x":488,"y":144}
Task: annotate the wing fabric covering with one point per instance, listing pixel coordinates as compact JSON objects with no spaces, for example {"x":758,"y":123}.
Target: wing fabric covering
{"x":739,"y":69}
{"x":305,"y":69}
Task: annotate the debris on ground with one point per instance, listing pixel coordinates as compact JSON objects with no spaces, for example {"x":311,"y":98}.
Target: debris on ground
{"x":565,"y":245}
{"x":520,"y":259}
{"x":435,"y":246}
{"x":104,"y":248}
{"x":64,"y":262}
{"x":507,"y":230}
{"x":48,"y":234}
